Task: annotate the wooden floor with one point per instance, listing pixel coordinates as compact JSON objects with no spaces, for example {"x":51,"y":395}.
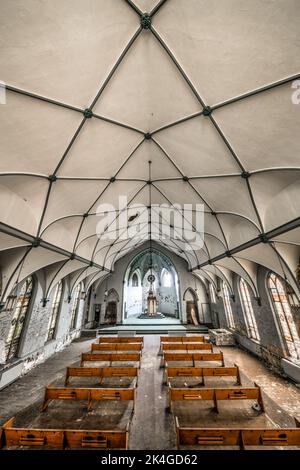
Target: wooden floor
{"x":153,"y":425}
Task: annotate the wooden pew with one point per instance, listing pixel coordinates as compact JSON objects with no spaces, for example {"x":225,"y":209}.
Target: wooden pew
{"x":52,"y":438}
{"x":101,"y":372}
{"x":116,"y":347}
{"x":216,"y":394}
{"x":202,"y":372}
{"x":187,"y":436}
{"x":63,"y":438}
{"x":187,"y":347}
{"x":97,"y":439}
{"x":88,"y":394}
{"x":121,"y":339}
{"x":110,"y":357}
{"x":188,"y":357}
{"x":183,"y":339}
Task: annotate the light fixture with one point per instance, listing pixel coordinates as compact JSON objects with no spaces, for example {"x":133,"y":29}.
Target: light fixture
{"x":9,"y":304}
{"x":44,"y":301}
{"x":83,"y":295}
{"x":133,"y":217}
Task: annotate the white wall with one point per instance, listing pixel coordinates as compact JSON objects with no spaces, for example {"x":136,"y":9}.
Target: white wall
{"x":115,"y":280}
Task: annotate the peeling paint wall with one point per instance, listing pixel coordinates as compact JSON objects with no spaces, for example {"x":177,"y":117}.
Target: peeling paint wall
{"x":34,"y":347}
{"x":270,"y":347}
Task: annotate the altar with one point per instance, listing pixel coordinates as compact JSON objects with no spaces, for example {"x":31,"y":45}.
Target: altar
{"x":151,"y":310}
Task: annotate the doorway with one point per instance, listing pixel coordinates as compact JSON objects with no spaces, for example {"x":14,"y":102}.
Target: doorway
{"x":110,"y":317}
{"x":192,"y":312}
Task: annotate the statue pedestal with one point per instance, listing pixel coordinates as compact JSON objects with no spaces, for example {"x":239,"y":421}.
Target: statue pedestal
{"x":152,"y":312}
{"x":151,"y":304}
{"x":151,"y":308}
{"x":156,"y":316}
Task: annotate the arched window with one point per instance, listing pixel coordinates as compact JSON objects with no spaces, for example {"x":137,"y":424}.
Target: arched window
{"x":75,"y":306}
{"x":56,"y":304}
{"x":22,"y":304}
{"x":248,"y":311}
{"x":284,"y":315}
{"x":166,"y":279}
{"x":227,"y":306}
{"x":213,"y":298}
{"x":135,"y":280}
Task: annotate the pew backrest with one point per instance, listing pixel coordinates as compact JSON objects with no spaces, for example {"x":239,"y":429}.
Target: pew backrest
{"x":101,"y":372}
{"x":110,"y":357}
{"x":202,"y":372}
{"x":189,"y":436}
{"x":116,"y":347}
{"x":121,"y":339}
{"x":187,"y":347}
{"x":89,"y":394}
{"x":194,"y":357}
{"x":63,"y":438}
{"x":183,"y":339}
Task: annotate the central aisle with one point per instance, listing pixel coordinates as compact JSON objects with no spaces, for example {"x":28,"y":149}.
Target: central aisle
{"x":152,"y":426}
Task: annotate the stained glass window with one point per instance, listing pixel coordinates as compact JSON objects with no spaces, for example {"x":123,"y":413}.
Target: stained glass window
{"x":284,"y":315}
{"x":75,"y":306}
{"x":248,"y":311}
{"x":22,"y":303}
{"x":56,"y":304}
{"x":227,"y":306}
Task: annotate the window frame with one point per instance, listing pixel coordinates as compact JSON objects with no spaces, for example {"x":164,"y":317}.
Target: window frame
{"x":227,"y":307}
{"x":14,"y":344}
{"x":75,"y":306}
{"x":212,"y":293}
{"x":166,"y":274}
{"x":134,"y":283}
{"x":248,"y":312}
{"x":55,"y":311}
{"x":291,"y":343}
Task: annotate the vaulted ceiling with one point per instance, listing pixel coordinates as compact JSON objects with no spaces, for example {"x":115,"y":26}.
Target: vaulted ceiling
{"x":97,"y":89}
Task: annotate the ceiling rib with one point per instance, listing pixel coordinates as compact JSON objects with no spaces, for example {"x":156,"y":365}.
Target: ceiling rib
{"x":208,"y":113}
{"x":157,"y":7}
{"x":70,"y":107}
{"x":116,"y":65}
{"x":255,"y":205}
{"x":18,"y":266}
{"x":262,"y":237}
{"x":4,"y":228}
{"x":110,"y":75}
{"x":178,"y":66}
{"x":134,"y":7}
{"x":257,"y":240}
{"x":54,"y":276}
{"x":256,"y":91}
{"x":42,"y":98}
{"x":233,"y":100}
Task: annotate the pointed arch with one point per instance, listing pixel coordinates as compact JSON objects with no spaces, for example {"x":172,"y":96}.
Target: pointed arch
{"x":19,"y":303}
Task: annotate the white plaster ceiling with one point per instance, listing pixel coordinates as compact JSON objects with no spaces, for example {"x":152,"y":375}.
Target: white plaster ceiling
{"x":235,"y":59}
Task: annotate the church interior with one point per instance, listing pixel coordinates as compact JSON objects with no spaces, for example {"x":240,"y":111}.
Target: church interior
{"x":150,"y":225}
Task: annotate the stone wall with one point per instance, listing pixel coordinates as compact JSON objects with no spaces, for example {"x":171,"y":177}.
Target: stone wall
{"x":34,"y":347}
{"x":270,"y":347}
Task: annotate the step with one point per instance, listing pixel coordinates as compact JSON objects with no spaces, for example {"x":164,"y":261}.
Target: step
{"x":144,"y":330}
